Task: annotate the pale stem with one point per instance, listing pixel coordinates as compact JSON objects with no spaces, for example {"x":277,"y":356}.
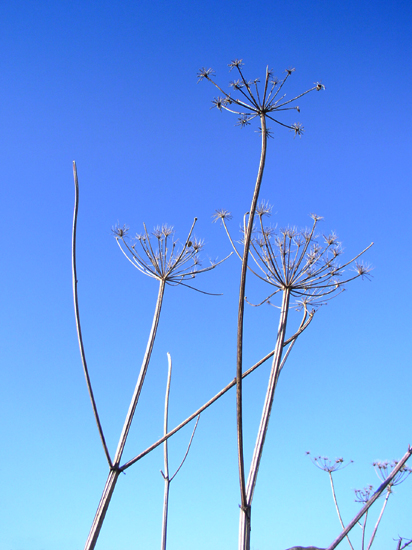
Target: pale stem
{"x":337,"y":507}
{"x":373,"y":498}
{"x":165,"y":474}
{"x":379,"y":519}
{"x":364,"y":530}
{"x":205,"y":406}
{"x":77,"y":315}
{"x":239,"y":362}
{"x":142,"y":375}
{"x":245,"y":519}
{"x":115,"y":470}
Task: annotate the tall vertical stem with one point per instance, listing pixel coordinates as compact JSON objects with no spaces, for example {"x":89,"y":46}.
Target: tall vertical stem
{"x":245,"y":514}
{"x":166,"y":458}
{"x":114,"y":471}
{"x":239,"y":362}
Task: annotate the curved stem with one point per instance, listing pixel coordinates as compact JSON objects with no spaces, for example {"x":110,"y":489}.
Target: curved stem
{"x":77,"y":315}
{"x":239,"y":362}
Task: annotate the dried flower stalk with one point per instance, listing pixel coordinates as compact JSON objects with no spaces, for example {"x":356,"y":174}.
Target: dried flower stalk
{"x":249,"y":104}
{"x":297,"y":266}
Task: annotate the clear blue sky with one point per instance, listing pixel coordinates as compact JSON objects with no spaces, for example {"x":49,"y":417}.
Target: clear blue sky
{"x":112,"y":85}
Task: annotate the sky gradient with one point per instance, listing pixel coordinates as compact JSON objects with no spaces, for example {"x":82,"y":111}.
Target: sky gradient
{"x":113,"y":86}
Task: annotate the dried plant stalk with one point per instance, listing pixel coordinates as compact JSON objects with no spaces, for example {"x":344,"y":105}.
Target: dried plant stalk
{"x":77,"y":315}
{"x":251,"y":104}
{"x":115,"y":471}
{"x":166,"y":476}
{"x":373,"y":498}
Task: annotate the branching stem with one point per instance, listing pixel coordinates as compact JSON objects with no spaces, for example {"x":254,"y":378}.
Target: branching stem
{"x":77,"y":315}
{"x":245,"y":513}
{"x":115,"y":470}
{"x":373,"y":498}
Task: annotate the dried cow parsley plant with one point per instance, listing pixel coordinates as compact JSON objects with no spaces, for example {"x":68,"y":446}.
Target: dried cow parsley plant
{"x":250,"y":102}
{"x":159,"y":256}
{"x":298,"y":261}
{"x":384,"y":467}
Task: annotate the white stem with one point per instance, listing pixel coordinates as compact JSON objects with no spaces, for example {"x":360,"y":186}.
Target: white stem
{"x":166,"y":457}
{"x":245,"y":520}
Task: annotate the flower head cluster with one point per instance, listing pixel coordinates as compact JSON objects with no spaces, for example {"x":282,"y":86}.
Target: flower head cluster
{"x":298,"y":261}
{"x":384,"y":467}
{"x":363,"y":495}
{"x":250,"y":102}
{"x":327,"y":465}
{"x":159,"y":256}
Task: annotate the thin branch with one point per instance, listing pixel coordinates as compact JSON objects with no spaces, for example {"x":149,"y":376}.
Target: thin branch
{"x":373,"y":498}
{"x":302,"y":327}
{"x":187,"y":450}
{"x":379,"y":518}
{"x":77,"y":314}
{"x":115,"y":470}
{"x":201,"y":409}
{"x":337,"y":507}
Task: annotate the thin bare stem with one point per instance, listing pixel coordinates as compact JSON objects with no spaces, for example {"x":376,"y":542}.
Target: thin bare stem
{"x":204,"y":407}
{"x":245,"y":519}
{"x":77,"y":314}
{"x":165,"y":474}
{"x":364,"y":530}
{"x":239,"y":362}
{"x":187,"y":450}
{"x":373,"y":498}
{"x":388,"y":492}
{"x":142,"y":375}
{"x":115,"y":470}
{"x":337,"y":507}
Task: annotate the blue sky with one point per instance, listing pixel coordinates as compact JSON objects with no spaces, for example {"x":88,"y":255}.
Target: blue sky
{"x":113,"y":86}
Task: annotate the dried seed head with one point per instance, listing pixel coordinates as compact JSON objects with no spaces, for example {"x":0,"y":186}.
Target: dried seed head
{"x":264,"y":209}
{"x":253,"y":103}
{"x":243,"y":121}
{"x":205,"y":73}
{"x":297,"y":128}
{"x":363,"y":270}
{"x":327,"y":465}
{"x":362,"y":495}
{"x":218,"y":102}
{"x":120,"y":231}
{"x":235,"y":63}
{"x":221,"y":214}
